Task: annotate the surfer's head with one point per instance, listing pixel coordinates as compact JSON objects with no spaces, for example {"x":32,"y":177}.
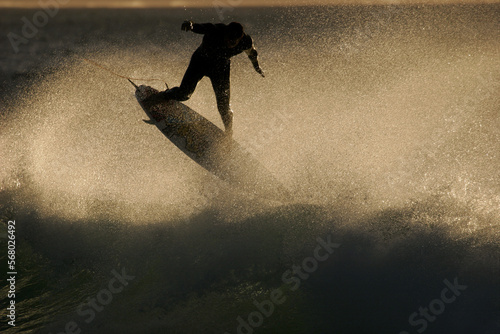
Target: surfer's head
{"x":234,"y":34}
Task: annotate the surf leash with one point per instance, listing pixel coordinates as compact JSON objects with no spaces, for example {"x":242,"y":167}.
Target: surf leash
{"x":119,"y":75}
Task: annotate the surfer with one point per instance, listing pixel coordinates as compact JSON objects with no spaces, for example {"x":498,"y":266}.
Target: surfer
{"x":213,"y":59}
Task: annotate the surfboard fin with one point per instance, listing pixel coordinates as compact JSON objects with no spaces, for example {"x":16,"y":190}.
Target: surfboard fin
{"x":149,"y":121}
{"x":166,"y":84}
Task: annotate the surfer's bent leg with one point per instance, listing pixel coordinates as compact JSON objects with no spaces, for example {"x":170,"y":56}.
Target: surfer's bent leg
{"x":221,"y":85}
{"x":194,"y":73}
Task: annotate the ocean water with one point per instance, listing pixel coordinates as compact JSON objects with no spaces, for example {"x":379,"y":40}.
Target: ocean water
{"x":383,"y":121}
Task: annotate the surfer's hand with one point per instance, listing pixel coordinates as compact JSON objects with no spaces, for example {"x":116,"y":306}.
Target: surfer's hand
{"x":187,"y":26}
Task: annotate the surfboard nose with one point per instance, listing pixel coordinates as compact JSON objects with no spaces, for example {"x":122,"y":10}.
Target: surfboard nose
{"x":136,"y":87}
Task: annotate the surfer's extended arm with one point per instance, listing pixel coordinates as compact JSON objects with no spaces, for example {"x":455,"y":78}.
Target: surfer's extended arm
{"x":252,"y":55}
{"x":198,"y":28}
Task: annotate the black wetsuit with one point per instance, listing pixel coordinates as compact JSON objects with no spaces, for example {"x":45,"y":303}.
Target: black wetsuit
{"x":213,"y":59}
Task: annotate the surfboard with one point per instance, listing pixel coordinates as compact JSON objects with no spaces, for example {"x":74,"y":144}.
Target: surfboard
{"x":208,"y":146}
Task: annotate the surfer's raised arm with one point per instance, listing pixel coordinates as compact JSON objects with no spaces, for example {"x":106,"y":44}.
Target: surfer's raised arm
{"x":252,"y":55}
{"x":198,"y":28}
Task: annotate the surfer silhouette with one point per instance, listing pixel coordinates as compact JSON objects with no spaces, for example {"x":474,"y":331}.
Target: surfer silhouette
{"x":213,"y":59}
